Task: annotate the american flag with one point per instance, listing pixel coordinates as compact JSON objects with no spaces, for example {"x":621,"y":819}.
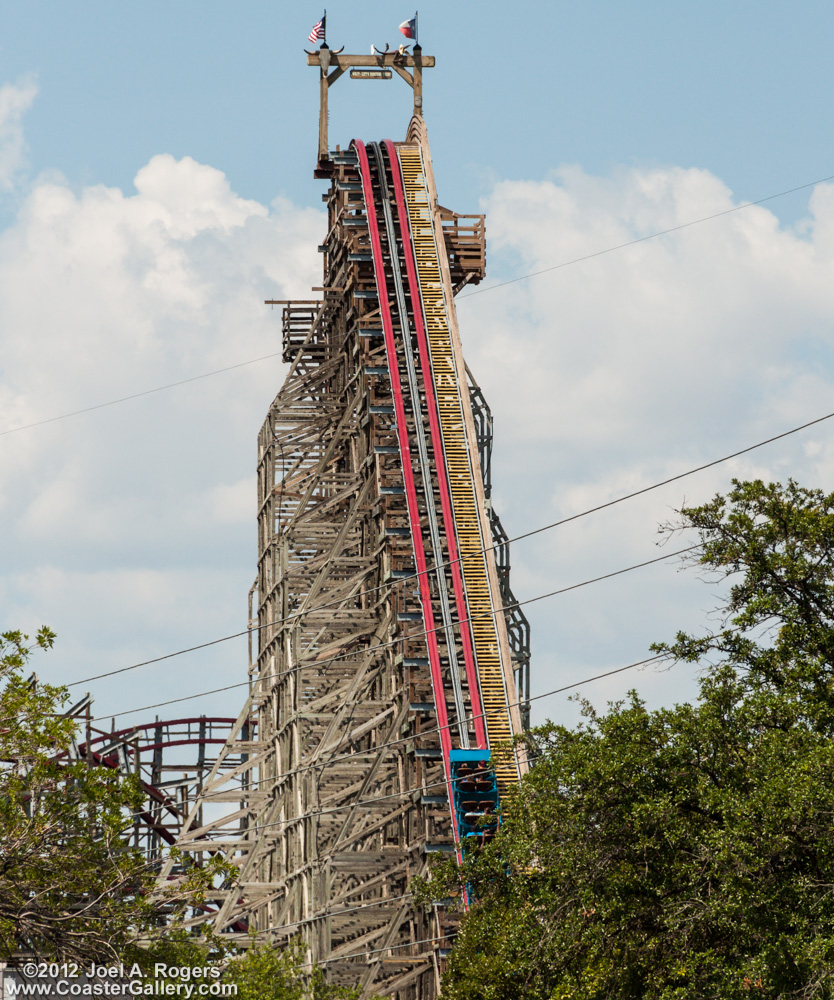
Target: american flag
{"x":317,"y":34}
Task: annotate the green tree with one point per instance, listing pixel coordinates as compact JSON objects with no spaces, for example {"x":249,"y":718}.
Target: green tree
{"x":71,"y":889}
{"x":684,"y":853}
{"x":259,"y":972}
{"x":265,"y":973}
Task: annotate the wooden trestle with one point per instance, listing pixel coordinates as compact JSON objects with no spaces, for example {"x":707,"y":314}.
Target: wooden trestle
{"x":370,"y":663}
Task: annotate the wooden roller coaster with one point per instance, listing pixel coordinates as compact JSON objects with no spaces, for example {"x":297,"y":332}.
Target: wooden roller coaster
{"x":388,"y":661}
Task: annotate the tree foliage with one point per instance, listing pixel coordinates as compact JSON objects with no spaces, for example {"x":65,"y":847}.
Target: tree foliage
{"x":687,"y":852}
{"x":258,"y":972}
{"x":71,"y":889}
{"x":265,"y":973}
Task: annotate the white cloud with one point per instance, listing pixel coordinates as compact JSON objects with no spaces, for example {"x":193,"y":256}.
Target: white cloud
{"x":132,"y":528}
{"x":15,"y":101}
{"x":614,"y":373}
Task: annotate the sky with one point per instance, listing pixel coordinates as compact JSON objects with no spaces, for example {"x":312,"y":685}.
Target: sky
{"x":156,"y":186}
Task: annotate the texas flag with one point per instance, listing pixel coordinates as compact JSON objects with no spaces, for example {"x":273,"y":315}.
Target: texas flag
{"x":409,"y":27}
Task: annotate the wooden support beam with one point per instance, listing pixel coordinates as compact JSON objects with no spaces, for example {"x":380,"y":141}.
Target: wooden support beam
{"x":332,"y":65}
{"x":323,"y":813}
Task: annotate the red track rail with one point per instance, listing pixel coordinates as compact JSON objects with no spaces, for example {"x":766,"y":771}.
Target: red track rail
{"x":437,"y":445}
{"x":408,"y":473}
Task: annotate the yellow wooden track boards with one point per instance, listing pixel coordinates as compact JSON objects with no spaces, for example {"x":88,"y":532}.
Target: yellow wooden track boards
{"x":456,"y":448}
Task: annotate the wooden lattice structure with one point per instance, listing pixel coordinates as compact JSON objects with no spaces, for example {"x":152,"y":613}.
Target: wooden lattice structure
{"x":345,"y":793}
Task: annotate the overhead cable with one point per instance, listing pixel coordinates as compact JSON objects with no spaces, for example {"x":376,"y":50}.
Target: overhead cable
{"x":480,"y":291}
{"x":436,"y":729}
{"x":538,"y":697}
{"x":489,"y":548}
{"x":330,"y":761}
{"x":378,"y":951}
{"x":410,"y":635}
{"x":643,"y":239}
{"x":441,"y":781}
{"x":137,"y":395}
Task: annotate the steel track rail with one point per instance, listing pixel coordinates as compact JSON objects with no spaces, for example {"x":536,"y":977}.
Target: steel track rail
{"x":408,"y":472}
{"x":422,"y":447}
{"x":454,"y":563}
{"x":482,"y":603}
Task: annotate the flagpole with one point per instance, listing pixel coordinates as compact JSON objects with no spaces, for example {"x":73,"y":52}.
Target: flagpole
{"x":324,"y":29}
{"x":416,"y":30}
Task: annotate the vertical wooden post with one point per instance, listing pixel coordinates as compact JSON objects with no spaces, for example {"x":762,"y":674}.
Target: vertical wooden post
{"x":324,"y":62}
{"x":417,"y":84}
{"x":333,"y":63}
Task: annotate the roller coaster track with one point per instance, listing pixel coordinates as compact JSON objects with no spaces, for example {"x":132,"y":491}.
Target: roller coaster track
{"x":406,"y":255}
{"x":383,"y":669}
{"x":168,"y":759}
{"x":414,"y":516}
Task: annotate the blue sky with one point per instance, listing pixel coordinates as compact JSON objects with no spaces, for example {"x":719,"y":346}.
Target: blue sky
{"x":156,"y":185}
{"x":739,"y":88}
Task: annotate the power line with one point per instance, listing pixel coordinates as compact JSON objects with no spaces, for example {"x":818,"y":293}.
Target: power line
{"x":137,"y":395}
{"x":330,"y":761}
{"x":489,"y":548}
{"x":480,"y":291}
{"x":374,"y":903}
{"x":371,"y":798}
{"x":642,"y":239}
{"x":441,"y":781}
{"x":427,"y":732}
{"x":393,"y":642}
{"x":351,"y":909}
{"x":672,"y":479}
{"x":437,"y":729}
{"x":171,"y":701}
{"x":421,"y":788}
{"x":538,"y":697}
